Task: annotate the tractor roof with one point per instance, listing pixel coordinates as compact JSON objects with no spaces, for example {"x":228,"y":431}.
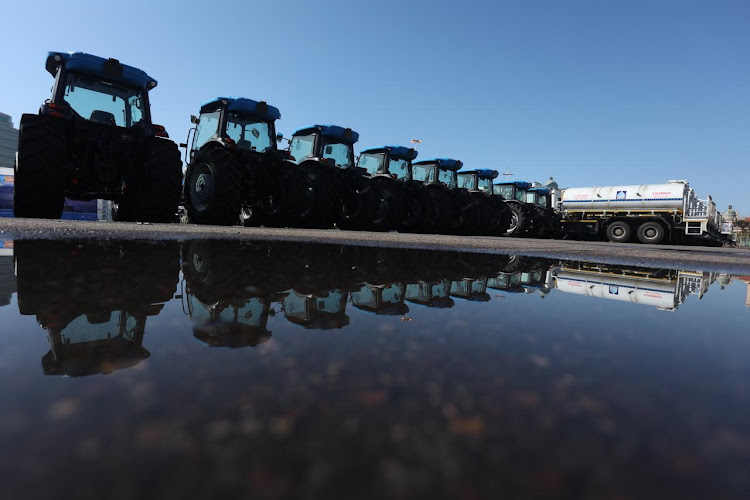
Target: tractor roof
{"x":519,"y":184}
{"x":99,"y":67}
{"x":258,"y":109}
{"x":333,"y":131}
{"x":395,"y":151}
{"x":541,"y":190}
{"x":482,"y":173}
{"x":444,"y":163}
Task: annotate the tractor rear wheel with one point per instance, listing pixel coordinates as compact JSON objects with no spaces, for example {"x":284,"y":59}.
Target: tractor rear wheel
{"x":40,"y":178}
{"x":421,"y":212}
{"x":450,"y":219}
{"x":389,"y":207}
{"x":156,"y":200}
{"x":518,"y":220}
{"x":212,"y":188}
{"x":322,"y":193}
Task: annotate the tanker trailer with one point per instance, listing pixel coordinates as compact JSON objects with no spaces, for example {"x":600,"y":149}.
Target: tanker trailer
{"x":652,"y":213}
{"x":664,"y":289}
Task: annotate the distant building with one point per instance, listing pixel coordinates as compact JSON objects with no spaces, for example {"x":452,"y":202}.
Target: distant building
{"x":8,"y":141}
{"x":730,"y":214}
{"x":551,"y":184}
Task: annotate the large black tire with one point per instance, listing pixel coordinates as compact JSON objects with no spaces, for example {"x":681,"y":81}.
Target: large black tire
{"x":650,"y":232}
{"x":505,"y":217}
{"x":359,"y":201}
{"x":296,"y":202}
{"x":471,"y":213}
{"x":489,"y":215}
{"x":157,"y":198}
{"x":543,"y":222}
{"x":389,"y":209}
{"x":518,"y":220}
{"x":40,"y":170}
{"x":618,"y":231}
{"x":450,"y":219}
{"x":326,"y":198}
{"x":421,"y":212}
{"x":213,"y":188}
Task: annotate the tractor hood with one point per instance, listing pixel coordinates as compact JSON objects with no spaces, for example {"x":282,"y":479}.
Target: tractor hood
{"x":106,"y":69}
{"x":258,"y":109}
{"x":445,"y":163}
{"x":333,"y":131}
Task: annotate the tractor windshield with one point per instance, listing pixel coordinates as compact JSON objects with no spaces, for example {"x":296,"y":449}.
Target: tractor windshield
{"x":250,"y":133}
{"x":103,"y":102}
{"x":467,"y":181}
{"x":372,"y":162}
{"x":520,"y":195}
{"x":447,"y":177}
{"x":341,"y":152}
{"x":485,"y":185}
{"x":505,"y":191}
{"x":302,"y":147}
{"x":541,"y":200}
{"x":423,"y":173}
{"x":208,"y":125}
{"x":399,"y":168}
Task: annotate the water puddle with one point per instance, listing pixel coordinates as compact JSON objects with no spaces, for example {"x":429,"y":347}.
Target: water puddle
{"x":295,"y":370}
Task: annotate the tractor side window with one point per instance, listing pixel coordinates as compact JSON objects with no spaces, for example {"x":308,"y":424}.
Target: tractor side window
{"x":520,"y":195}
{"x":541,"y":200}
{"x":466,"y":182}
{"x":100,"y":101}
{"x":399,"y":168}
{"x":364,"y":297}
{"x":207,"y":127}
{"x":392,"y":294}
{"x":331,"y":303}
{"x":135,"y":105}
{"x":371,"y":162}
{"x":422,"y":174}
{"x":302,"y":147}
{"x":249,"y":133}
{"x":446,"y":177}
{"x":485,"y":185}
{"x":339,"y":152}
{"x":530,"y":197}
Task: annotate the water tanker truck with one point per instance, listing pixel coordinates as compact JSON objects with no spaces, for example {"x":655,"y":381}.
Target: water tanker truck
{"x":651,"y":213}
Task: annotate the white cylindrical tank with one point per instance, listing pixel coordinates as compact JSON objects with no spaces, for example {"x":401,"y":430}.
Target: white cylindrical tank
{"x":634,"y":290}
{"x":670,"y":196}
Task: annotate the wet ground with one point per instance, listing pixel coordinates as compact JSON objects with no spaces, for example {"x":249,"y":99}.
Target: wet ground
{"x":240,"y":368}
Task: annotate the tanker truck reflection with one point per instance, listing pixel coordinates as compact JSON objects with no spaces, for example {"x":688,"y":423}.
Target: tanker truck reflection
{"x":664,"y":289}
{"x":93,"y":299}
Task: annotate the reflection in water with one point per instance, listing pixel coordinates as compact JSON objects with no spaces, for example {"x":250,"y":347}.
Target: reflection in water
{"x":7,"y":276}
{"x":93,"y":299}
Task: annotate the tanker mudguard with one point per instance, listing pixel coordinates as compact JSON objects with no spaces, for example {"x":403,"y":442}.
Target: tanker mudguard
{"x":333,"y":131}
{"x":444,"y":163}
{"x":258,"y":109}
{"x":401,"y":152}
{"x":107,"y":69}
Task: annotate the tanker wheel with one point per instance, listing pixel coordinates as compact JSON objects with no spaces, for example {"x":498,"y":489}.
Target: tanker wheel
{"x":650,"y":232}
{"x":618,"y":232}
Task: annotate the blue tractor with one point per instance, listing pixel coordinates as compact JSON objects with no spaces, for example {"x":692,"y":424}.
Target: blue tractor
{"x":344,"y":195}
{"x":525,"y":219}
{"x":235,"y":170}
{"x":410,"y":206}
{"x":459,"y":212}
{"x":94,"y":138}
{"x":493,"y":211}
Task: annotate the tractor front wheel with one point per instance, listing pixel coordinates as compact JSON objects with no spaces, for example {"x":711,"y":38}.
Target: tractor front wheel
{"x":212,"y":188}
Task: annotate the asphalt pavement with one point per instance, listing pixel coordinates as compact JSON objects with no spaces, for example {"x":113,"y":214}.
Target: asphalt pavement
{"x":726,"y":259}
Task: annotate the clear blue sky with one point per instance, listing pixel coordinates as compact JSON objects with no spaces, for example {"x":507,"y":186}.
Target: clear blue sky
{"x":592,"y":92}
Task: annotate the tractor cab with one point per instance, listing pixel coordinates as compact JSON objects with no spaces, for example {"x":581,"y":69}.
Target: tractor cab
{"x":512,"y":190}
{"x":477,"y":180}
{"x":472,"y":289}
{"x":99,"y":90}
{"x":233,"y":325}
{"x":236,"y":123}
{"x":95,"y":342}
{"x":430,"y":294}
{"x":539,"y":196}
{"x":386,"y":299}
{"x":438,"y":171}
{"x":390,"y":161}
{"x":319,"y":311}
{"x":331,"y":143}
